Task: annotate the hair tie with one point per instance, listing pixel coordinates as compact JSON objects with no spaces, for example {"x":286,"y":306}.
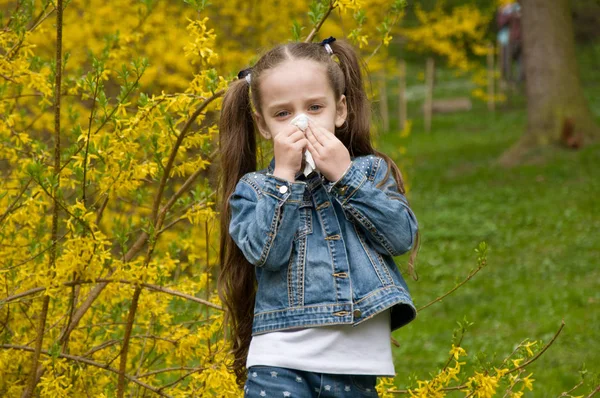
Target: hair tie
{"x":325,"y":43}
{"x":245,"y":73}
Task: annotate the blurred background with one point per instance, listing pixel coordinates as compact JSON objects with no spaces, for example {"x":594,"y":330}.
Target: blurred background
{"x":490,"y":108}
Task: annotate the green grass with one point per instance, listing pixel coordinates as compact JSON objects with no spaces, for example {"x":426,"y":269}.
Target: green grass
{"x":541,"y":221}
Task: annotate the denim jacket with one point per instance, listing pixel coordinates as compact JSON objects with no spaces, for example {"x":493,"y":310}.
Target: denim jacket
{"x":323,"y":251}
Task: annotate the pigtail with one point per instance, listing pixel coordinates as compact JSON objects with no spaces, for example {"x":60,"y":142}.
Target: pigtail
{"x":395,"y":171}
{"x":236,"y":283}
{"x":355,"y":134}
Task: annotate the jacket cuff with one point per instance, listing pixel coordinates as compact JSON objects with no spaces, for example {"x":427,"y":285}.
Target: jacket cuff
{"x":348,"y":184}
{"x":284,"y":190}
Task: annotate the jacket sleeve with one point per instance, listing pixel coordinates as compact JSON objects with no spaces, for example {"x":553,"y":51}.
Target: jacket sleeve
{"x":264,"y":219}
{"x":377,"y":207}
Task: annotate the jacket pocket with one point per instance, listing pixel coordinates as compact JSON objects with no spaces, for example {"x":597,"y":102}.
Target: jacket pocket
{"x":376,"y":260}
{"x":305,"y":224}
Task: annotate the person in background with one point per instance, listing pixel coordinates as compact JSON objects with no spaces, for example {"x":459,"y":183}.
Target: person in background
{"x":509,"y":39}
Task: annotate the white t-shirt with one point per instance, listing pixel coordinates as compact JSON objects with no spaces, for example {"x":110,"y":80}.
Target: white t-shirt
{"x":340,"y":349}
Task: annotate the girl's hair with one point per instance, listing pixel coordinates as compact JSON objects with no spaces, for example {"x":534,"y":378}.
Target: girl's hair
{"x":237,"y":140}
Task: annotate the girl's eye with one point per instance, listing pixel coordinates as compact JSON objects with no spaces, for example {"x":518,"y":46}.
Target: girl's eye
{"x":281,"y":114}
{"x":315,"y":108}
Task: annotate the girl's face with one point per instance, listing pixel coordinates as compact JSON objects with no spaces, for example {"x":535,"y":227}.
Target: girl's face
{"x":294,"y":87}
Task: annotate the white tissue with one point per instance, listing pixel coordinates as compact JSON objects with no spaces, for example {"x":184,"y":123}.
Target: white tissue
{"x":301,"y":121}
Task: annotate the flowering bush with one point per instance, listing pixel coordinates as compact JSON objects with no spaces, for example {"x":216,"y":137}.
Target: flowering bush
{"x":107,"y":231}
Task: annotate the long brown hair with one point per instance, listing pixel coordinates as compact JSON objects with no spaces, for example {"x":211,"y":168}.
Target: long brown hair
{"x":237,"y":139}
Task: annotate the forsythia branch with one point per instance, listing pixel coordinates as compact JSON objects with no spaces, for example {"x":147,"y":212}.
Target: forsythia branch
{"x":91,"y":363}
{"x":36,"y":371}
{"x":158,"y":220}
{"x":105,"y":281}
{"x":562,"y":325}
{"x":468,"y":278}
{"x":317,"y":27}
{"x":126,"y":340}
{"x":596,"y":390}
{"x":517,"y":368}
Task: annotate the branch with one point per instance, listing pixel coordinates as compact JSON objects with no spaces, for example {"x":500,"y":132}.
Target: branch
{"x":30,"y":388}
{"x":126,"y":340}
{"x":143,"y":238}
{"x":317,"y":27}
{"x":8,"y":78}
{"x":33,"y":381}
{"x":91,"y":363}
{"x":109,"y":343}
{"x":64,"y":207}
{"x":20,"y":295}
{"x":177,"y":369}
{"x":41,"y":17}
{"x":100,"y":211}
{"x":50,"y":246}
{"x":87,"y":143}
{"x":534,"y":358}
{"x":562,"y":325}
{"x":468,"y":278}
{"x":14,"y":203}
{"x":191,"y":372}
{"x":161,"y":289}
{"x":186,"y":185}
{"x":381,"y":42}
{"x":180,"y":137}
{"x":568,"y":393}
{"x":105,"y":281}
{"x":594,"y":392}
{"x":114,"y":110}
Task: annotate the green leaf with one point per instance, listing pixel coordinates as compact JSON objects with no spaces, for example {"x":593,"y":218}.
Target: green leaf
{"x":316,"y":11}
{"x":296,"y":30}
{"x":198,"y":5}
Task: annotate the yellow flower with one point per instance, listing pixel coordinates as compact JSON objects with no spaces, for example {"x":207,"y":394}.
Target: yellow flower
{"x":386,"y":39}
{"x":528,"y":346}
{"x":528,"y":382}
{"x":457,"y":352}
{"x":345,"y":5}
{"x":483,"y":385}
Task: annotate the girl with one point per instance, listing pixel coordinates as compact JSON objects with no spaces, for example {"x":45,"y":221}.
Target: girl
{"x":308,"y":278}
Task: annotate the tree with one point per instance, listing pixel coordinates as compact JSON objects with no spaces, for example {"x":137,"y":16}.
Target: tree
{"x":557,"y":110}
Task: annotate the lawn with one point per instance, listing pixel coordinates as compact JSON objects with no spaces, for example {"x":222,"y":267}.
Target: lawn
{"x":541,"y":222}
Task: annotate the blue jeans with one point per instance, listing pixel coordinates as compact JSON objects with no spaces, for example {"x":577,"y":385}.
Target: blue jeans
{"x":269,"y":381}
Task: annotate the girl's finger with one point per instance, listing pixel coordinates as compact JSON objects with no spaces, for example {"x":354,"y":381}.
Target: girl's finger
{"x":321,"y":133}
{"x":302,"y":144}
{"x":312,"y":138}
{"x":296,"y":136}
{"x":313,"y":151}
{"x":313,"y":131}
{"x":288,"y":131}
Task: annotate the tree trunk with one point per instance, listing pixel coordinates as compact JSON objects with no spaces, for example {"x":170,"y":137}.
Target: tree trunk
{"x":557,"y":111}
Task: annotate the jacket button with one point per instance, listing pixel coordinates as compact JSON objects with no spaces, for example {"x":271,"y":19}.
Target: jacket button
{"x":283,"y":189}
{"x":357,"y":313}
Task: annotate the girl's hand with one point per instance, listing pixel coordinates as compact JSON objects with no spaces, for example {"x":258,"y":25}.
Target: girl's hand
{"x":289,"y":145}
{"x":331,"y":156}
